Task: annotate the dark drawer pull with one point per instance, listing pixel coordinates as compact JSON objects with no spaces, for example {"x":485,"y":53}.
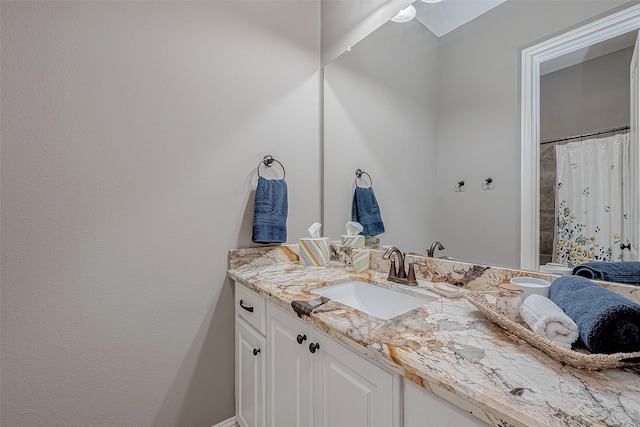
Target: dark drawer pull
{"x":249,"y":309}
{"x":256,"y":351}
{"x":313,"y":347}
{"x":301,"y":338}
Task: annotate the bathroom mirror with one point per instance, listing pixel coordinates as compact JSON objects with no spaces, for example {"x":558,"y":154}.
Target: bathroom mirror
{"x":421,"y":113}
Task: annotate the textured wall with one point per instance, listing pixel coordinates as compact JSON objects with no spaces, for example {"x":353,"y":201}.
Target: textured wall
{"x":130,"y":136}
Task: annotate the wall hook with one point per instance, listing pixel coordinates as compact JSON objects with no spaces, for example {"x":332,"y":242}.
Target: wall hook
{"x":459,"y":187}
{"x":487,"y":184}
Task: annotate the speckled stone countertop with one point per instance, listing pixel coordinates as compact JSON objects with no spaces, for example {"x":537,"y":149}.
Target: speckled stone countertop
{"x":448,"y":347}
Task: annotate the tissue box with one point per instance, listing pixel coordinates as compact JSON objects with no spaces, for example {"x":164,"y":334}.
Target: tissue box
{"x":353,"y":241}
{"x":360,"y":260}
{"x":314,"y":251}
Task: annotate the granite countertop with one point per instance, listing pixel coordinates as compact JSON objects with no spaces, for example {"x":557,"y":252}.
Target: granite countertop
{"x":451,"y":349}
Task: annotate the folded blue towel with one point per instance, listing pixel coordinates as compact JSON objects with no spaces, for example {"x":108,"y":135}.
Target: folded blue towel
{"x":365,"y":210}
{"x":270,"y":214}
{"x":607,"y":322}
{"x":622,"y":272}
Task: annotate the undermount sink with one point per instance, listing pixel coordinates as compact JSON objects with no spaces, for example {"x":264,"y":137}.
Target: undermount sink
{"x":380,"y":302}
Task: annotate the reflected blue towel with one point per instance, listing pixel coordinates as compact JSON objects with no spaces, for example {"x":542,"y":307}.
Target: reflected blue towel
{"x":622,"y":272}
{"x":607,"y":322}
{"x":365,"y":210}
{"x":270,"y":214}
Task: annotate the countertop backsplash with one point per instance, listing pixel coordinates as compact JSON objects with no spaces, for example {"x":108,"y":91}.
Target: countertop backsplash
{"x":473,"y":277}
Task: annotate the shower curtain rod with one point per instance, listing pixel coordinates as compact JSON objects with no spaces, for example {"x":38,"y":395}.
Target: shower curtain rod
{"x":585,"y":135}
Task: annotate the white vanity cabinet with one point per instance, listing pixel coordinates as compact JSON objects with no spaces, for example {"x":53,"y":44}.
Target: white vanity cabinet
{"x":423,"y":409}
{"x":302,"y":377}
{"x":350,"y":390}
{"x":289,"y":370}
{"x":250,"y":358}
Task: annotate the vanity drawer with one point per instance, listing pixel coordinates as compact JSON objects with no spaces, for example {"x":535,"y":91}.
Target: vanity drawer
{"x":251,"y":307}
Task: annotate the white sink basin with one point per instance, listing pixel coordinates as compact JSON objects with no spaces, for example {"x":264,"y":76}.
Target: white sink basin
{"x":380,"y":302}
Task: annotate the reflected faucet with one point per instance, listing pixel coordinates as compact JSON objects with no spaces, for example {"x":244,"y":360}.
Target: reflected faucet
{"x":432,"y":249}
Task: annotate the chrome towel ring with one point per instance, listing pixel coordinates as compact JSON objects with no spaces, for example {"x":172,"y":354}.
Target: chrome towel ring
{"x":268,"y":162}
{"x":359,"y":173}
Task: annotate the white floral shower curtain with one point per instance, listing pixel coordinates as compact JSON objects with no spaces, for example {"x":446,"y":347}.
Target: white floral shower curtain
{"x":592,"y":214}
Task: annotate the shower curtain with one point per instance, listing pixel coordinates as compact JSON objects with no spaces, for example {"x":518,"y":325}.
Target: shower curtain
{"x":592,"y":214}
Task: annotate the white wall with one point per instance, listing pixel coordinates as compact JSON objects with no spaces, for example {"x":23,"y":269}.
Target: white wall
{"x":130,"y":136}
{"x":479,"y":122}
{"x":587,"y":97}
{"x":380,"y":107}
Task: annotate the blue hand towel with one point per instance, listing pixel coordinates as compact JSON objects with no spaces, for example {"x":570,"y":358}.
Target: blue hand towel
{"x":270,"y":214}
{"x":365,"y":210}
{"x":607,"y":322}
{"x":622,"y":272}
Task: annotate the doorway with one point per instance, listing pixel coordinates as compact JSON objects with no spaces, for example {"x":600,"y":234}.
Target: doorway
{"x":534,"y":59}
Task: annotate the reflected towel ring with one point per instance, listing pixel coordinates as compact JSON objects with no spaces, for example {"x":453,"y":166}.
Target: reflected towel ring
{"x":359,"y":173}
{"x":268,"y":162}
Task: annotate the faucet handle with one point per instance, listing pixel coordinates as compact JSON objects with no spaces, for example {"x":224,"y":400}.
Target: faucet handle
{"x":402,"y":274}
{"x":411,"y":276}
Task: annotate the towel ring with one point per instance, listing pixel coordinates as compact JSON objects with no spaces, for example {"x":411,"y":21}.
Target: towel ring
{"x":359,"y":173}
{"x":268,"y":162}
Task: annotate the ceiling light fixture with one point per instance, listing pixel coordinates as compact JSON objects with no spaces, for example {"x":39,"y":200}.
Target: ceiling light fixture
{"x":405,"y":15}
{"x":432,"y":1}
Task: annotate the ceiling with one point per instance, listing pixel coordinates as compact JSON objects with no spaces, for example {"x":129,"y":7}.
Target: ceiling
{"x":447,"y":15}
{"x":594,"y":51}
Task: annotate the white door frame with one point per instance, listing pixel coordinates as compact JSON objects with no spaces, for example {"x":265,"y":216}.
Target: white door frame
{"x":612,"y":26}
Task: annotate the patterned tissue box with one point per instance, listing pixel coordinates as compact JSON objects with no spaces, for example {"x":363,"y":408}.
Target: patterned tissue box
{"x":360,"y":260}
{"x":314,"y":251}
{"x":353,"y":241}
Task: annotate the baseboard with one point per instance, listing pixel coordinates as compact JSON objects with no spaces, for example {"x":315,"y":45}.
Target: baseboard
{"x":231,"y":422}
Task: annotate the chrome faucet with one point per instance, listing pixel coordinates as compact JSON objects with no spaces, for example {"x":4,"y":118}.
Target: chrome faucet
{"x":435,"y":245}
{"x":399,"y":275}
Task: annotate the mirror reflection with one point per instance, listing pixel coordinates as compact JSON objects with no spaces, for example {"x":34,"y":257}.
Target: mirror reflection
{"x":424,"y":109}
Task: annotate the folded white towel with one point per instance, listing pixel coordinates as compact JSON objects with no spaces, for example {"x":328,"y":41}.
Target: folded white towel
{"x":545,"y":318}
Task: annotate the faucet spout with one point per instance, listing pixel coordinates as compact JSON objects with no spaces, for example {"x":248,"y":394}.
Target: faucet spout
{"x":435,"y":245}
{"x":401,"y":274}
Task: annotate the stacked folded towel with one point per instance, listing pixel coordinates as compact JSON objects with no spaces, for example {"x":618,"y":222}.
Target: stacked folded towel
{"x":271,"y":209}
{"x":545,"y":318}
{"x":607,"y":322}
{"x":365,"y":210}
{"x":622,"y":272}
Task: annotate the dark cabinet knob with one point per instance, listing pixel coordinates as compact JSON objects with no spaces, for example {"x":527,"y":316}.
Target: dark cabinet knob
{"x":246,"y":307}
{"x":256,"y":351}
{"x":301,"y":338}
{"x":313,"y":347}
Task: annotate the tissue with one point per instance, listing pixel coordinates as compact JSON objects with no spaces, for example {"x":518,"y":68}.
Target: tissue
{"x":353,"y":237}
{"x":314,"y":250}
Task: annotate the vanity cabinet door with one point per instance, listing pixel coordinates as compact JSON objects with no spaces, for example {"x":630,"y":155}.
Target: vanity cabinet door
{"x":289,"y":370}
{"x":351,"y":391}
{"x":423,"y":409}
{"x":250,"y":375}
